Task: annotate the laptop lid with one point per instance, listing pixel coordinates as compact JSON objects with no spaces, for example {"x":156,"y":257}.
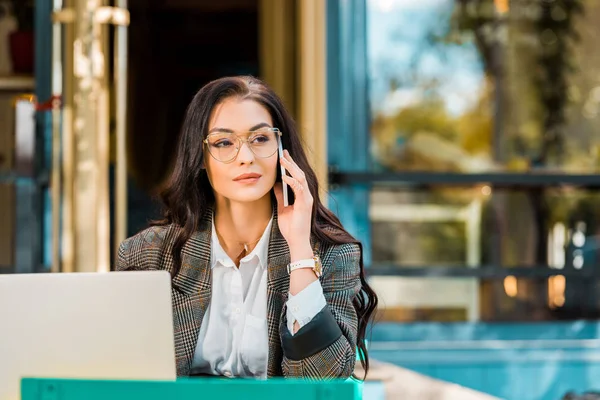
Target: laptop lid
{"x":116,"y":325}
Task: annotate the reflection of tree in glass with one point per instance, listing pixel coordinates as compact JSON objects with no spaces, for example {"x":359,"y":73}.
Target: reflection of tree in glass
{"x":425,"y":136}
{"x":556,"y":33}
{"x":547,"y":30}
{"x":530,"y":103}
{"x":543,"y":94}
{"x":429,"y":132}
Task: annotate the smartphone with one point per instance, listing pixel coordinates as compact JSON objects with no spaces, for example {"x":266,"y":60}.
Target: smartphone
{"x":283,"y":184}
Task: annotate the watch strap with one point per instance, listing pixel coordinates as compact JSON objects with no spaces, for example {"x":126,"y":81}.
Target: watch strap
{"x":305,"y":263}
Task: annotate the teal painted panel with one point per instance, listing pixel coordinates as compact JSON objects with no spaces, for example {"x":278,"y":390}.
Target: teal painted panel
{"x":207,"y":388}
{"x":471,"y":376}
{"x":521,"y":381}
{"x":497,"y":381}
{"x":592,"y":375}
{"x":571,"y":376}
{"x":348,"y":118}
{"x":537,"y":361}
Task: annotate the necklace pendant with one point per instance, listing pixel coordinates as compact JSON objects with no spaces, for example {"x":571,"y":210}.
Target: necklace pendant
{"x":246,"y":247}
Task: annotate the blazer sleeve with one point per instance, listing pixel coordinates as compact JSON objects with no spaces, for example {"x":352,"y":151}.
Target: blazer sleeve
{"x":326,"y":346}
{"x":121,"y":263}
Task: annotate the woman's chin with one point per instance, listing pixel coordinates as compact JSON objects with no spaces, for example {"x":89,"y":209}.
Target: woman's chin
{"x":251,"y":197}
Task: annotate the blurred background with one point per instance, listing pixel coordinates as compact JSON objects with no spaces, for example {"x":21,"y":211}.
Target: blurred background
{"x":459,"y":140}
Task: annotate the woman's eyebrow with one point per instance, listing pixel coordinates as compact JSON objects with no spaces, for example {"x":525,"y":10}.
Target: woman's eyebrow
{"x":220,"y":130}
{"x":261,"y":125}
{"x":226,"y":130}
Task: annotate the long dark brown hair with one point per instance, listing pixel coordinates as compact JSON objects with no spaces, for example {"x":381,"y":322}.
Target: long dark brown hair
{"x":188,"y":193}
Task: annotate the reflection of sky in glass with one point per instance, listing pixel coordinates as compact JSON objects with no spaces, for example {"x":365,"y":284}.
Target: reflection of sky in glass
{"x":398,"y":49}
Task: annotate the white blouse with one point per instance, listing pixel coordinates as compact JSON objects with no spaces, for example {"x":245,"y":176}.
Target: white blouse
{"x":233,"y":338}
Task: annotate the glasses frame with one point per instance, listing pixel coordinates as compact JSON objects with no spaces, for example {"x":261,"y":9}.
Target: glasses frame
{"x":241,"y":143}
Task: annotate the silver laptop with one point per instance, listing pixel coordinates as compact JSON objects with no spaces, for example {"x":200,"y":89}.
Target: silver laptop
{"x":116,"y":325}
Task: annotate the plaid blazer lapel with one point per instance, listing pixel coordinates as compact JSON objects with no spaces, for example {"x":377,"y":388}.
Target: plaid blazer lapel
{"x":278,"y":284}
{"x":192,"y":293}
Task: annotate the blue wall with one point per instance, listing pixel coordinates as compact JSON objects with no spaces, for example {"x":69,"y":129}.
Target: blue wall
{"x":531,"y":361}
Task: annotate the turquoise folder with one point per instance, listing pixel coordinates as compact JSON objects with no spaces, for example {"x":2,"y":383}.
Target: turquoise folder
{"x":183,"y":389}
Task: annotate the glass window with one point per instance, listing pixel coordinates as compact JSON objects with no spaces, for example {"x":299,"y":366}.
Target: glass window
{"x":444,"y":299}
{"x":421,"y":235}
{"x":446,"y":226}
{"x":484,"y":86}
{"x":493,"y":85}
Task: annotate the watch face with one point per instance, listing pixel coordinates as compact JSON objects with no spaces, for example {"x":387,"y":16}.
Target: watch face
{"x":318,"y":267}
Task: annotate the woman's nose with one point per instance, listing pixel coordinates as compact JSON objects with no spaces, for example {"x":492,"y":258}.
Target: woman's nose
{"x":245,"y":154}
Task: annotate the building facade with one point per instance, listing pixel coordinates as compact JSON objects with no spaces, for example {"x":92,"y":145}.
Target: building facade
{"x":459,"y":140}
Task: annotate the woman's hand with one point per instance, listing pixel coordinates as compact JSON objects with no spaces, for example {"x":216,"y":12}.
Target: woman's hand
{"x":295,"y":220}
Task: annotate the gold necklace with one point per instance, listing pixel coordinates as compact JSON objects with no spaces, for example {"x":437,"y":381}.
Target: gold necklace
{"x":245,"y":251}
{"x":246,"y":245}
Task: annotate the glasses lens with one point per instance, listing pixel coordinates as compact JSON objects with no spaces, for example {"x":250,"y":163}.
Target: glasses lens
{"x":263,"y":143}
{"x":223,"y":146}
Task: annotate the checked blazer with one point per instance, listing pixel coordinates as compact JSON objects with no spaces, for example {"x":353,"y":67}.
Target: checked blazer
{"x":324,"y":348}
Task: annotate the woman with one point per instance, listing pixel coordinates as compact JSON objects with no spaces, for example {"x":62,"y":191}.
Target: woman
{"x":259,"y":289}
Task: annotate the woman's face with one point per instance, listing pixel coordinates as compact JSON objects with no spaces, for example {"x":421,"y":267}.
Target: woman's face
{"x":230,"y":119}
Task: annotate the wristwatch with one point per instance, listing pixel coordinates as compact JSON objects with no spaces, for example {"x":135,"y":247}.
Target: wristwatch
{"x":313,"y":263}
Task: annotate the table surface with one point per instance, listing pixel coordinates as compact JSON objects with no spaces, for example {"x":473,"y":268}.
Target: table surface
{"x":290,"y":389}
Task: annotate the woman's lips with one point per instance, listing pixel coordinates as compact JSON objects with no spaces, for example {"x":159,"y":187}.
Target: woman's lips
{"x":247,"y":180}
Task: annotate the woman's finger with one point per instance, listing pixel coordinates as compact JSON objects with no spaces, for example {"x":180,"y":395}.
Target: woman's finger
{"x":298,"y":189}
{"x":293,"y":168}
{"x":289,"y":158}
{"x":294,"y":184}
{"x":301,"y":192}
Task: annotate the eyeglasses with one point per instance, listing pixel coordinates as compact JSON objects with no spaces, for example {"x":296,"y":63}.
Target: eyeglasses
{"x":224,"y":147}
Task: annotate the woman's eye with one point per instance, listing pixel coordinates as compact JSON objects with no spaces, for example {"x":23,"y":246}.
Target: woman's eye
{"x":222,"y":143}
{"x":259,"y":139}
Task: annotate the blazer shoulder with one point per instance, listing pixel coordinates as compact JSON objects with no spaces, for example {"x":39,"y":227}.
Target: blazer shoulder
{"x":146,"y":248}
{"x":330,"y":252}
{"x":150,"y":237}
